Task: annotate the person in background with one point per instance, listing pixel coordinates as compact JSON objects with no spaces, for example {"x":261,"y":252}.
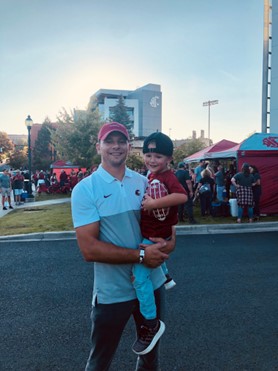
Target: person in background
{"x":6,"y":188}
{"x":73,"y":179}
{"x":185,"y":180}
{"x":18,"y":184}
{"x":257,"y":191}
{"x":230,"y":188}
{"x":219,"y":181}
{"x":41,"y":180}
{"x":244,"y":181}
{"x":198,"y":170}
{"x":53,"y":179}
{"x":80,"y":175}
{"x":207,"y":182}
{"x":106,"y":208}
{"x":63,"y":178}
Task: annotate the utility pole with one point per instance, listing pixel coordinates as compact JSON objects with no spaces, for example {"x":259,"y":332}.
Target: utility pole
{"x":208,"y":104}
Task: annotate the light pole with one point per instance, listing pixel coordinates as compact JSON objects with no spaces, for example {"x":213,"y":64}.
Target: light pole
{"x":29,"y":123}
{"x":208,"y":104}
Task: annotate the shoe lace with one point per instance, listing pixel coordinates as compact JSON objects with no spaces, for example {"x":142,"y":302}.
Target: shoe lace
{"x":146,"y":333}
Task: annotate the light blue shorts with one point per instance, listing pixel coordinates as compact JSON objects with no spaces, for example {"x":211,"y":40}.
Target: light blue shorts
{"x":18,"y":192}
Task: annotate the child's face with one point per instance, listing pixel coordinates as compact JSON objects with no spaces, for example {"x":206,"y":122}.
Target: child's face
{"x":155,"y":162}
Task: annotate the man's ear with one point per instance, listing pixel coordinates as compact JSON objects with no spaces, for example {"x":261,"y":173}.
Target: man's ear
{"x":98,"y":148}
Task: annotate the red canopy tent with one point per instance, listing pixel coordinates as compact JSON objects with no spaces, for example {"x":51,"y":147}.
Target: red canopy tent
{"x":60,"y":165}
{"x":261,"y":150}
{"x":207,"y":152}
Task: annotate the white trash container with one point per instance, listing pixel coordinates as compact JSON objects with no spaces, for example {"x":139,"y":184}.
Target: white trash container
{"x":233,"y":206}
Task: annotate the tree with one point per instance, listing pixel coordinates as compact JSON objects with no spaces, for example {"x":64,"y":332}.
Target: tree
{"x":120,"y":114}
{"x":187,"y":149}
{"x":18,"y":159}
{"x":76,"y":137}
{"x":6,"y":146}
{"x":135,"y":161}
{"x":41,"y":153}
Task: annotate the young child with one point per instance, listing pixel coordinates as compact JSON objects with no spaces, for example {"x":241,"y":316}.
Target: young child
{"x":157,"y":218}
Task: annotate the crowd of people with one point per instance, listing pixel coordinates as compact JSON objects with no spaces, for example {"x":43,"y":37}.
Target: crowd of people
{"x":14,"y":183}
{"x":215,"y":185}
{"x":205,"y":184}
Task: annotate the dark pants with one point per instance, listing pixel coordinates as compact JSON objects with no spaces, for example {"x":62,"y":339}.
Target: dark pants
{"x":205,"y":201}
{"x":188,"y":208}
{"x":108,"y":323}
{"x":256,"y":198}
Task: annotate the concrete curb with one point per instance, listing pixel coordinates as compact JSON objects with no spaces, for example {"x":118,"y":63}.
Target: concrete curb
{"x":227,"y":228}
{"x":182,"y":230}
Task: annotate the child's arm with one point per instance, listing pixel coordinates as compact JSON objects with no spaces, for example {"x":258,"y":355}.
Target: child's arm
{"x":172,"y":199}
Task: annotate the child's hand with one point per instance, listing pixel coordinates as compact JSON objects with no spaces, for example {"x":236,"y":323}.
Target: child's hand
{"x":148,"y":203}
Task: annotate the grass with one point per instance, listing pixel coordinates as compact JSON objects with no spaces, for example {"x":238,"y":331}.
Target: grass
{"x":57,"y":218}
{"x":51,"y":218}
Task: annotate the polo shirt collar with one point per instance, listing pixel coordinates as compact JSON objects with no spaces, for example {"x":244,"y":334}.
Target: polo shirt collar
{"x":107,"y":177}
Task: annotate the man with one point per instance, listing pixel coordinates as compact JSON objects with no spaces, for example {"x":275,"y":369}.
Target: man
{"x":184,"y":178}
{"x":106,"y":215}
{"x":220,"y":183}
{"x":6,"y":188}
{"x":198,"y":170}
{"x":18,"y":182}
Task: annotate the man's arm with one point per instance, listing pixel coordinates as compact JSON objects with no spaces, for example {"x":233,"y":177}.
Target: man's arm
{"x":94,"y":250}
{"x":189,"y":186}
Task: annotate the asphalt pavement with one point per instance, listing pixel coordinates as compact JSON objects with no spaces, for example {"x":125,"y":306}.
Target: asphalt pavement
{"x":221,"y":316}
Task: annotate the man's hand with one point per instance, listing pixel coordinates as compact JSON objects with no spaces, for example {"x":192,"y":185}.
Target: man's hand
{"x":157,"y":253}
{"x":167,"y":245}
{"x":154,"y":257}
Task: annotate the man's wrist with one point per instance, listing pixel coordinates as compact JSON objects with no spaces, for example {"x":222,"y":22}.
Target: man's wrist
{"x":141,"y":256}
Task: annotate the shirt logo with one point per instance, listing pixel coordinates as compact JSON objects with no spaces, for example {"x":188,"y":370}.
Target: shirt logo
{"x":106,"y":196}
{"x":137,"y":192}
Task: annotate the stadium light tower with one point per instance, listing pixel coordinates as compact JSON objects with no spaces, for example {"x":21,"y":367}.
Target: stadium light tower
{"x":208,"y":104}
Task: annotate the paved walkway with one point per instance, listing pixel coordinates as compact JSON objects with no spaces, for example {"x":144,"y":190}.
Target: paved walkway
{"x":33,"y":204}
{"x":196,"y":229}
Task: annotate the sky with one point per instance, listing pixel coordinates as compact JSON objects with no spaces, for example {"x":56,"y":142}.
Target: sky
{"x":56,"y":54}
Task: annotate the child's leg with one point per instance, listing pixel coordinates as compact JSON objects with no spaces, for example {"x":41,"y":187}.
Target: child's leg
{"x":152,"y":328}
{"x":164,"y":268}
{"x":144,"y":289}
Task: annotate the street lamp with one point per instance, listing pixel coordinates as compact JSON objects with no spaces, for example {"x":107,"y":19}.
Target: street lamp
{"x":209,"y":103}
{"x":29,"y":123}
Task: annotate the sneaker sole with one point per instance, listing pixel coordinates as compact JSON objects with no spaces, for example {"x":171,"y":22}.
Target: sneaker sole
{"x":154,"y":341}
{"x":169,"y":285}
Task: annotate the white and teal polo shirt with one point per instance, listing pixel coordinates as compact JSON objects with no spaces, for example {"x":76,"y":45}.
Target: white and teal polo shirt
{"x":116,"y":206}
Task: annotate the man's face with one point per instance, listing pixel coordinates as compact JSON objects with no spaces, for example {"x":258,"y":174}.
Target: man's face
{"x":114,"y":149}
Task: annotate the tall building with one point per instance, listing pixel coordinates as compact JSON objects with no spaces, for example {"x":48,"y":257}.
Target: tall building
{"x":270,"y":68}
{"x":144,"y":106}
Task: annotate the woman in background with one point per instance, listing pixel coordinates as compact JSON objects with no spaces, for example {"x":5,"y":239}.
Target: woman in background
{"x":243,"y":181}
{"x":206,"y":195}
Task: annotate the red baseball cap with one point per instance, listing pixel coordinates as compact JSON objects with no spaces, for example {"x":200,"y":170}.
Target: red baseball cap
{"x":109,"y":128}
